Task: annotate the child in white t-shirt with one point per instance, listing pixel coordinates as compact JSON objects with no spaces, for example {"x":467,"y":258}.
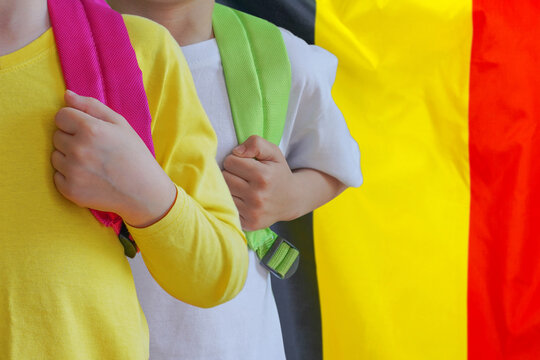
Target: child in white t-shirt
{"x":316,"y":145}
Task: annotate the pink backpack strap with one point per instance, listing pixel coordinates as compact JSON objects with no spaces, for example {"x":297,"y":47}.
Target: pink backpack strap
{"x":98,"y":61}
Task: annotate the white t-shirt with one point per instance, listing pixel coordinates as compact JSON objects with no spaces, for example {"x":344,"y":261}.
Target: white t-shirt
{"x":315,"y":136}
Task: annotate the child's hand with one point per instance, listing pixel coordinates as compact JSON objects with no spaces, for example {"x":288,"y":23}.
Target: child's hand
{"x":261,"y":182}
{"x":101,"y":163}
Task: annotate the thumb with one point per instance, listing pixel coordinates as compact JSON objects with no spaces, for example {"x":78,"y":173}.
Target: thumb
{"x":92,"y":107}
{"x":258,"y":148}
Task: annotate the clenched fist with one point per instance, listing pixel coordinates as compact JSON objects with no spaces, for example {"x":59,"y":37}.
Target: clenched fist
{"x":261,"y":183}
{"x":101,"y":163}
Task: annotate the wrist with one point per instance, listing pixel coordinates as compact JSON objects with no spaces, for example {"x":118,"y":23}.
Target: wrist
{"x":294,"y":199}
{"x":145,"y":212}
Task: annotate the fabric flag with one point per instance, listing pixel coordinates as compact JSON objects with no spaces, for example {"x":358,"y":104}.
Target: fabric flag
{"x":437,"y":255}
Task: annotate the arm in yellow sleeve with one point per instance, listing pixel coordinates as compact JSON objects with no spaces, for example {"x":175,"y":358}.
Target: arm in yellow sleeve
{"x":197,"y":252}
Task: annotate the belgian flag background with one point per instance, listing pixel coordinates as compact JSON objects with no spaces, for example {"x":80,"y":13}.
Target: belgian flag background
{"x":437,"y":255}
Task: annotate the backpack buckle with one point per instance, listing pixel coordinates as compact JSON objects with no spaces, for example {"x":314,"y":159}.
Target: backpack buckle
{"x":282,"y":259}
{"x":130,"y":248}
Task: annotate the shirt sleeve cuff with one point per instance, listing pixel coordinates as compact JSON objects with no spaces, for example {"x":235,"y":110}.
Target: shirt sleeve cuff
{"x":169,"y":219}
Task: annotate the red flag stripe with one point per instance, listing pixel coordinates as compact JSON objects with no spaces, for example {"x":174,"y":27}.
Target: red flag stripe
{"x":504,"y":248}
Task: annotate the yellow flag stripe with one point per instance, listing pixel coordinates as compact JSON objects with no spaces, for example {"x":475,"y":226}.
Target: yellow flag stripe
{"x":392,"y":255}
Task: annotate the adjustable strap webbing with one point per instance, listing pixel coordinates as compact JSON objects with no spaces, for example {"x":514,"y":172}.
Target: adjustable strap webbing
{"x":258,"y":79}
{"x":98,"y":61}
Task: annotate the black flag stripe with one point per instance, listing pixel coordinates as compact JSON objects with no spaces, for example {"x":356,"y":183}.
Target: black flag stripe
{"x":297,"y":16}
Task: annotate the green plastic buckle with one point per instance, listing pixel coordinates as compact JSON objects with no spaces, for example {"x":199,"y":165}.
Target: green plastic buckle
{"x":282,"y":259}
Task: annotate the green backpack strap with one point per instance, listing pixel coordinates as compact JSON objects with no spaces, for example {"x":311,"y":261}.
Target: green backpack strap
{"x":258,"y":79}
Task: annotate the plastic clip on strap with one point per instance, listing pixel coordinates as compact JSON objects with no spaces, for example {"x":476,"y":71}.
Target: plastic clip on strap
{"x":258,"y":79}
{"x":281,"y":258}
{"x":130,"y":247}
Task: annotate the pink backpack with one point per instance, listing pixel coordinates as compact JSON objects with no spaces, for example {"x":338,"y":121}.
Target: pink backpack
{"x":98,"y":61}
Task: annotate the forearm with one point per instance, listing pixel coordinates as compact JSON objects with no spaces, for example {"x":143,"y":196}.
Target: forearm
{"x":311,"y":189}
{"x":194,"y":255}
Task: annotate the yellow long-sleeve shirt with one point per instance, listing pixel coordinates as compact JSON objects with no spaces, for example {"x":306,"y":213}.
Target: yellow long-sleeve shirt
{"x":66,"y":289}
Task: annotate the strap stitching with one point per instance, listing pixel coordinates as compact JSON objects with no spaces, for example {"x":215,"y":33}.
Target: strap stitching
{"x":257,"y":72}
{"x":103,"y":84}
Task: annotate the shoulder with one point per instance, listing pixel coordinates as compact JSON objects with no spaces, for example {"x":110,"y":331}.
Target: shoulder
{"x":144,"y":32}
{"x":159,"y":56}
{"x":166,"y":76}
{"x":152,"y":42}
{"x":310,"y":64}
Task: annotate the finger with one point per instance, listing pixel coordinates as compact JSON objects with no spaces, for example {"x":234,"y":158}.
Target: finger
{"x":59,"y":162}
{"x":62,"y":141}
{"x":243,"y":223}
{"x":60,"y":181}
{"x":240,"y":205}
{"x":258,"y":148}
{"x":69,"y":120}
{"x":242,"y":208}
{"x":237,"y":186}
{"x":92,"y":107}
{"x":242,"y":167}
{"x":246,"y":223}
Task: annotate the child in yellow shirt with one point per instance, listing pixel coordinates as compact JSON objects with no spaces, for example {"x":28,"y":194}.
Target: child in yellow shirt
{"x":66,"y":289}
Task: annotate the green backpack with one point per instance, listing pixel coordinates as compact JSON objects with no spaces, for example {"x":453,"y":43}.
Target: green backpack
{"x":258,"y":79}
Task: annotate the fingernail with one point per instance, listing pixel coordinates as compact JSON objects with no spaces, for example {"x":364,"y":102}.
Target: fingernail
{"x":70,"y":92}
{"x":240,"y":149}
